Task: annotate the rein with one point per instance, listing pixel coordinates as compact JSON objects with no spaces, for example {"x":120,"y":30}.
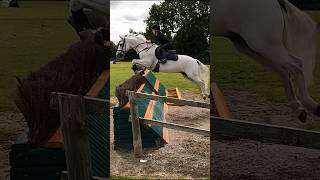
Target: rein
{"x":146,"y":48}
{"x":135,"y":48}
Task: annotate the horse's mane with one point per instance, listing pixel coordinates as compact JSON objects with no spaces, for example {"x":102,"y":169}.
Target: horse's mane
{"x":139,"y":36}
{"x":73,"y":71}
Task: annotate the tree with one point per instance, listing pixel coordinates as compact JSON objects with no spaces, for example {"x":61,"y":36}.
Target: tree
{"x":113,"y":50}
{"x":185,"y":23}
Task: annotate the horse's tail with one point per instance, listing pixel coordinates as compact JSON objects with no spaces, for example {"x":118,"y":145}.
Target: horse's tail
{"x":300,"y":31}
{"x":204,"y":73}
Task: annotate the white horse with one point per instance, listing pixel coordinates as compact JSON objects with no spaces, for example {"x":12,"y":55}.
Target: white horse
{"x":191,"y":68}
{"x":277,"y":35}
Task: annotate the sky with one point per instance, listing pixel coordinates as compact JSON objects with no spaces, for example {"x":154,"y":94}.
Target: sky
{"x":128,"y":14}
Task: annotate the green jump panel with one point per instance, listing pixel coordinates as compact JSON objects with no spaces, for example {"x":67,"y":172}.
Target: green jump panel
{"x":158,"y":108}
{"x":151,"y":135}
{"x":99,"y":138}
{"x":151,"y":78}
{"x":123,"y":131}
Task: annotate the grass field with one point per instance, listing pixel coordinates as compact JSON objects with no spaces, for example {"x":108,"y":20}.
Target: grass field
{"x":29,"y":37}
{"x":121,"y":71}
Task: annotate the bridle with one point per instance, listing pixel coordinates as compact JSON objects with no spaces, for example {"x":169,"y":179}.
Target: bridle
{"x":135,"y":48}
{"x":122,"y":46}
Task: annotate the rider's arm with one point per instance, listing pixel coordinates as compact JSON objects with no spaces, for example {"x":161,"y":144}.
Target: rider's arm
{"x":163,"y":39}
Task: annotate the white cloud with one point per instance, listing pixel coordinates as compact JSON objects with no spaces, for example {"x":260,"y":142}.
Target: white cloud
{"x":128,"y":14}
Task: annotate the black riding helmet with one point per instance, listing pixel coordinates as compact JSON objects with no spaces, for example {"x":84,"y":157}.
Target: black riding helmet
{"x":156,"y":27}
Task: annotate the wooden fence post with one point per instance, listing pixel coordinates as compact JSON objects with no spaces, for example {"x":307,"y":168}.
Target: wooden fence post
{"x":75,"y":136}
{"x":136,"y":133}
{"x":220,"y":102}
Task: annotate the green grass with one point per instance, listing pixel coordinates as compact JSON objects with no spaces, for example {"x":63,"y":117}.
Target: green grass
{"x":237,"y":71}
{"x":121,"y":71}
{"x":29,"y":37}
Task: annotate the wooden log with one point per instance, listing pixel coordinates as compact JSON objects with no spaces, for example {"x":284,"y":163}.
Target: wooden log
{"x":176,"y":126}
{"x":75,"y":136}
{"x":136,"y":133}
{"x":229,"y":128}
{"x":219,"y":101}
{"x":173,"y":100}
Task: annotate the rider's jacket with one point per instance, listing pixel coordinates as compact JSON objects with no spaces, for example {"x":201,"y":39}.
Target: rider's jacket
{"x":161,"y":40}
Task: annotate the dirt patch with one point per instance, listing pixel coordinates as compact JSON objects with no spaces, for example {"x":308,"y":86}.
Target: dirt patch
{"x":11,"y":125}
{"x":186,"y":156}
{"x":245,"y":159}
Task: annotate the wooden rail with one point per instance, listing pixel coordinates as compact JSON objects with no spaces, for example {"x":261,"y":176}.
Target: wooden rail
{"x":91,"y":104}
{"x":182,"y":102}
{"x":136,"y":120}
{"x":176,"y":126}
{"x":235,"y":129}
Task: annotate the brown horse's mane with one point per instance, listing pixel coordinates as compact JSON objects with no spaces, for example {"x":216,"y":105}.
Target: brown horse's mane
{"x":74,"y":71}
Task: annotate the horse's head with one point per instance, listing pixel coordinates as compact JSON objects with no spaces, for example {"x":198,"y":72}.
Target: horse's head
{"x":98,"y":36}
{"x":127,"y":42}
{"x":122,"y":47}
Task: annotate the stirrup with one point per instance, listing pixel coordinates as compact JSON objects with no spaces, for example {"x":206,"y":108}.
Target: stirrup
{"x":162,"y":61}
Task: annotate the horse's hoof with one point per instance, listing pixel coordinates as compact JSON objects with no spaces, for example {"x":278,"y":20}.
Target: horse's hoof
{"x":317,"y":112}
{"x":302,"y":116}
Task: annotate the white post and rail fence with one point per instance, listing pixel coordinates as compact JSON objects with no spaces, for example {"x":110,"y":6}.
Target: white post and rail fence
{"x":72,"y":110}
{"x":136,"y":120}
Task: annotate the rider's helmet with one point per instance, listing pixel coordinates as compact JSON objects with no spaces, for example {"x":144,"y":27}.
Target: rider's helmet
{"x":156,"y":27}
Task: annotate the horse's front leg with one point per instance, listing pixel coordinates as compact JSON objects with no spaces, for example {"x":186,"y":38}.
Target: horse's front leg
{"x":146,"y":62}
{"x":139,"y":65}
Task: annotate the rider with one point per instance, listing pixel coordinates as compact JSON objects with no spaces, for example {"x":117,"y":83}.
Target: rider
{"x":161,"y":40}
